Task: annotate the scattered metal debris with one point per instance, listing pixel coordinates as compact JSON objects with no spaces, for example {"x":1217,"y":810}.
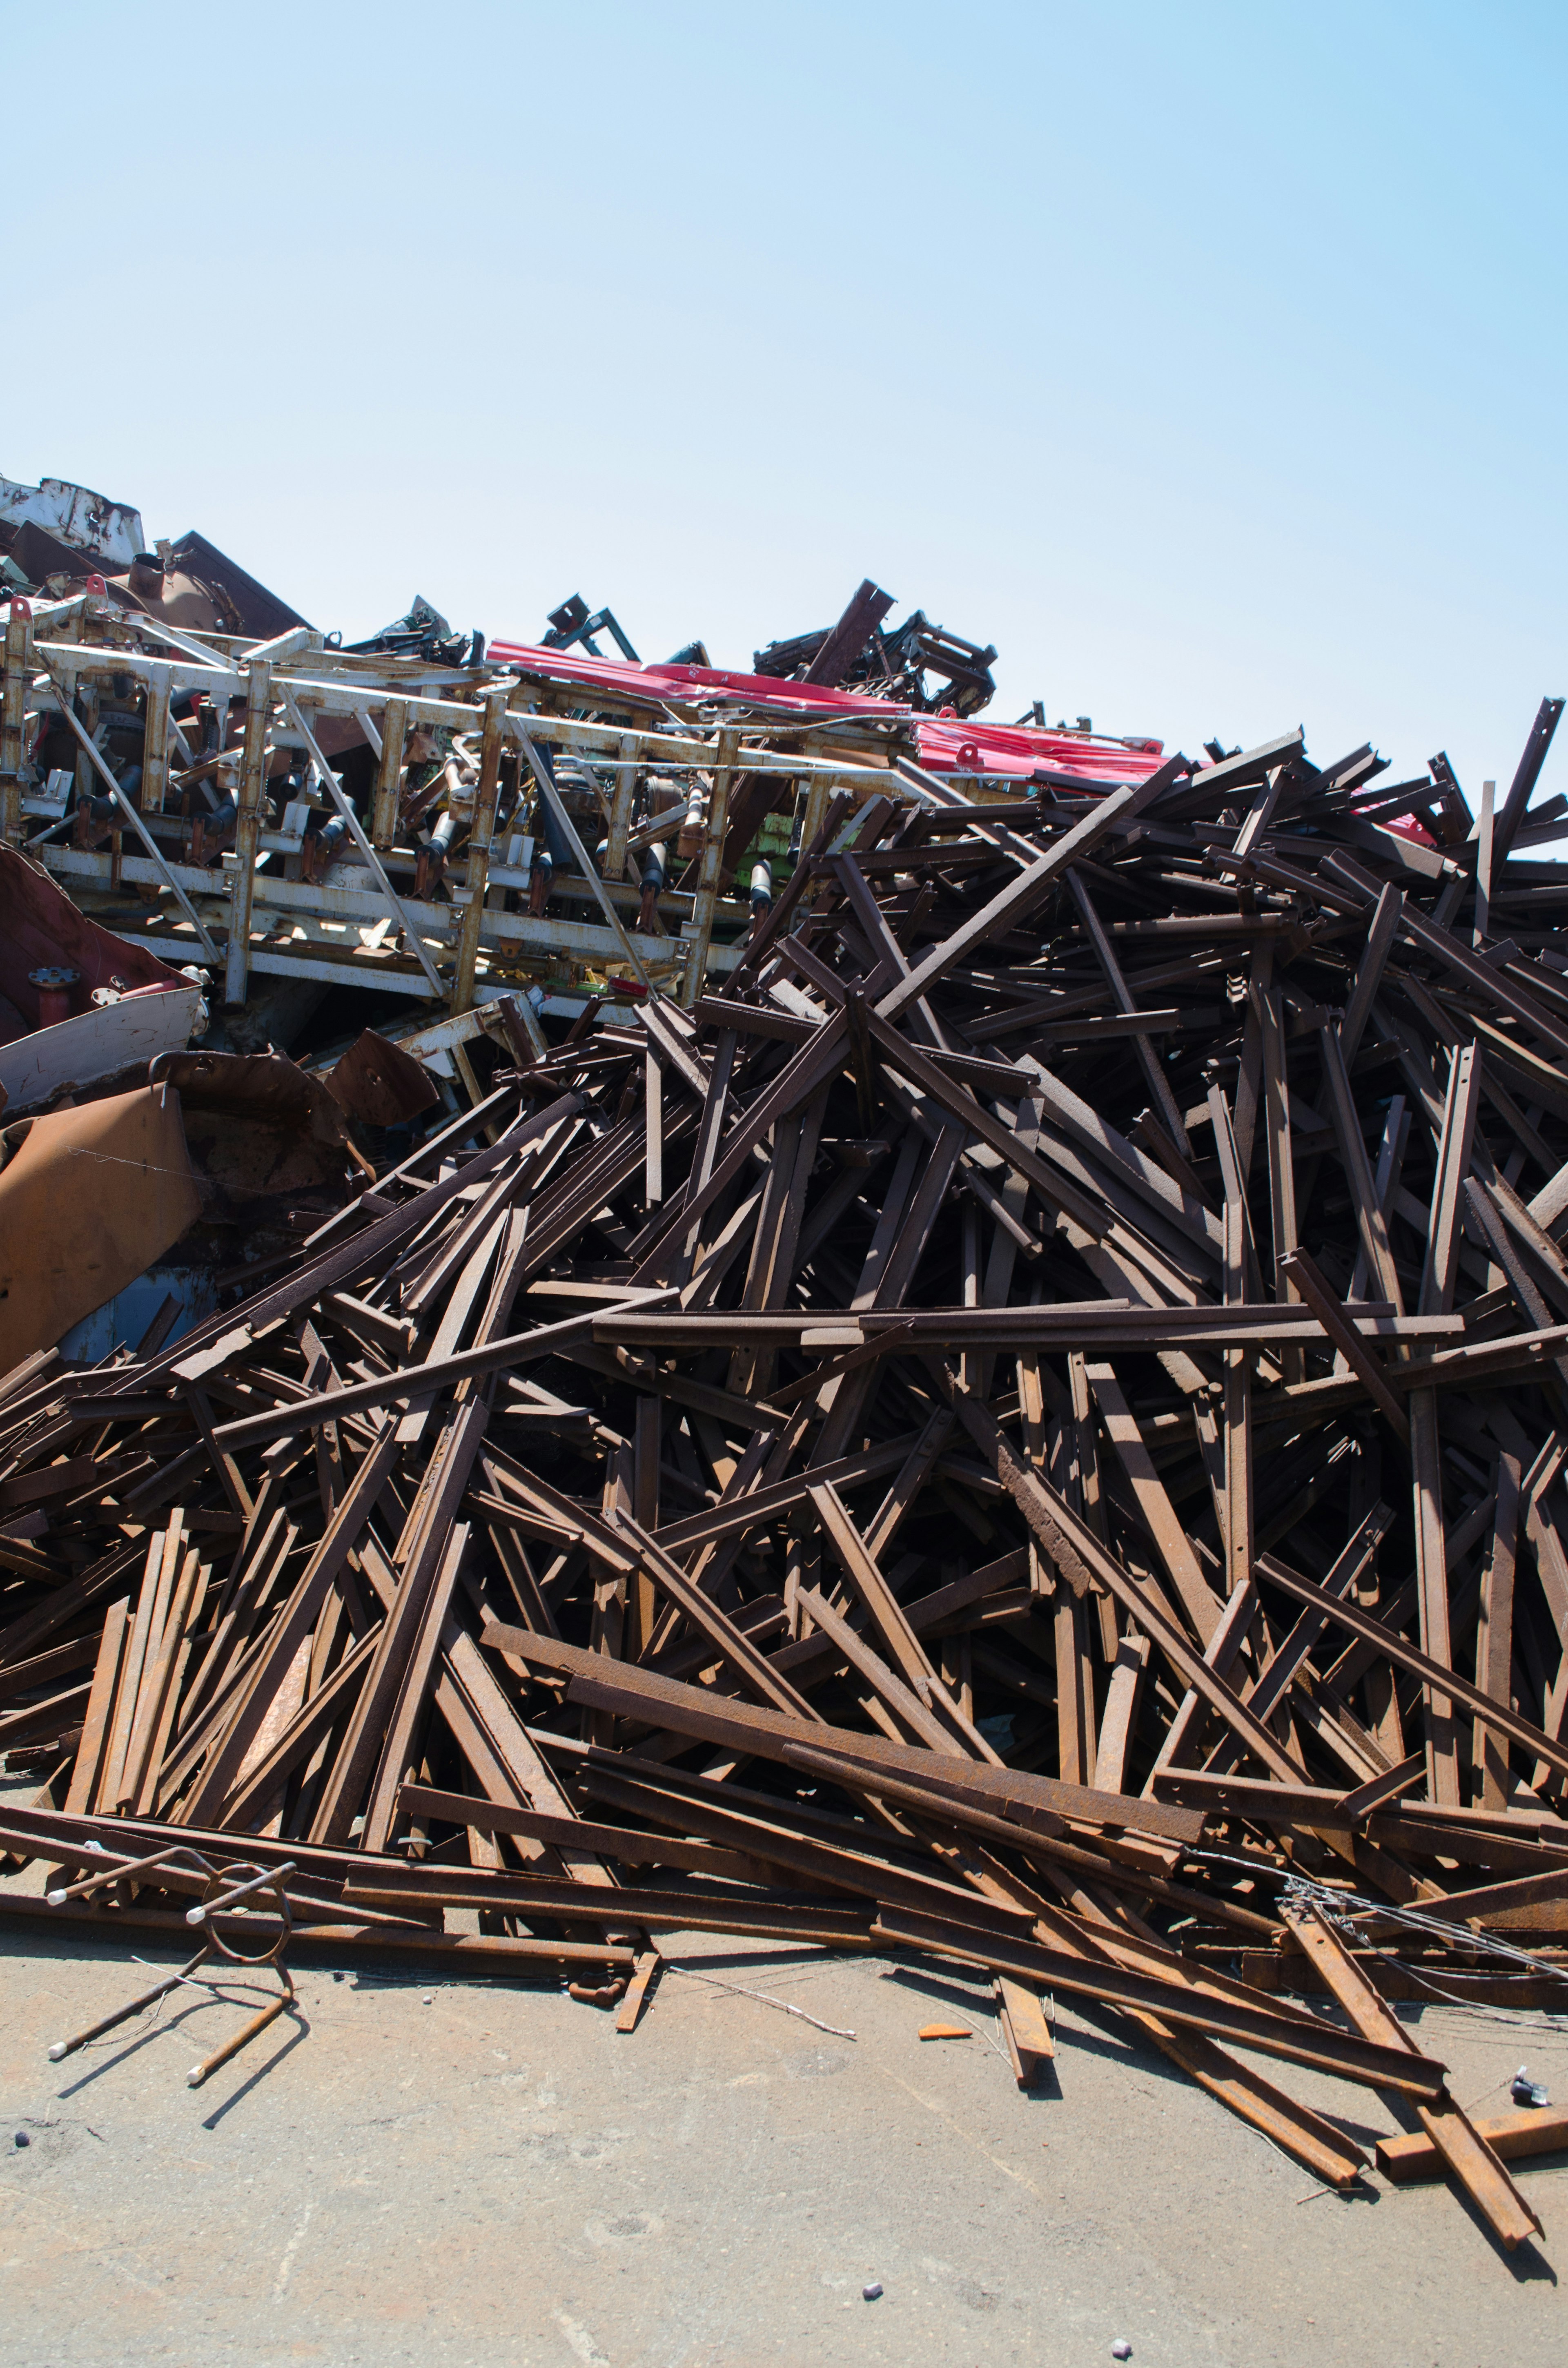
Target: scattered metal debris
{"x":915,"y":1335}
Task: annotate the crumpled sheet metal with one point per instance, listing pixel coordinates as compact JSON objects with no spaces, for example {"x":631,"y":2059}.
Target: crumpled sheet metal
{"x":110,"y":531}
{"x":88,"y":1199}
{"x":380,"y":1084}
{"x":177,"y":600}
{"x":40,"y":927}
{"x":259,"y":1128}
{"x":946,"y":744}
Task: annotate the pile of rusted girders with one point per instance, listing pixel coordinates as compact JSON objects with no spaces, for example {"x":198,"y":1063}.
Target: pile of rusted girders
{"x":1029,"y":1430}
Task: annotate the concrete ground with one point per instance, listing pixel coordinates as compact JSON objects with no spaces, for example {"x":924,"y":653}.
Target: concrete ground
{"x":416,"y":2171}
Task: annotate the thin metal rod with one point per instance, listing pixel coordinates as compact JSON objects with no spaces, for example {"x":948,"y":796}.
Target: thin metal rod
{"x":206,"y":657}
{"x":64,"y":2047}
{"x":334,"y":790}
{"x":121,"y":1869}
{"x":144,"y":834}
{"x":265,"y":1881}
{"x":241,"y":2038}
{"x":553,"y":795}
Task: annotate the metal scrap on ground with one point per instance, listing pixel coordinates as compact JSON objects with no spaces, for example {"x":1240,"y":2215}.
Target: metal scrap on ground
{"x":998,"y":1394}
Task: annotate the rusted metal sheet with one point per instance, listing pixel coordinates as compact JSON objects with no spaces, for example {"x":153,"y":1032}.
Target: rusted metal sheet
{"x":95,"y":1046}
{"x":88,"y":1199}
{"x":121,"y":1005}
{"x":108,"y":531}
{"x":379,"y":1083}
{"x":258,"y":1128}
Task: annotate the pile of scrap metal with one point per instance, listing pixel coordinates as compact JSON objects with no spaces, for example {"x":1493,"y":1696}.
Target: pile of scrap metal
{"x":892,"y":664}
{"x":58,"y":538}
{"x":435,"y":820}
{"x":1025,"y":1425}
{"x":134,"y":1173}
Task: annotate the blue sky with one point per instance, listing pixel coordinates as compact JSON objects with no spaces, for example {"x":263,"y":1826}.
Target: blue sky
{"x":1209,"y":360}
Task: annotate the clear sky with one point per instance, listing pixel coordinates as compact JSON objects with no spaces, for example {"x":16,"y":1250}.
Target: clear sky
{"x":1209,"y":359}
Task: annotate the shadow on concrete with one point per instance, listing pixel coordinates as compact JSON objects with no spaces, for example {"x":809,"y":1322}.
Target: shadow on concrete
{"x":936,"y":1985}
{"x":290,"y":2014}
{"x":156,"y":2029}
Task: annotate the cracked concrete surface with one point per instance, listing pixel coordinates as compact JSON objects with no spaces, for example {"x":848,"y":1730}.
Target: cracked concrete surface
{"x":417,"y":2171}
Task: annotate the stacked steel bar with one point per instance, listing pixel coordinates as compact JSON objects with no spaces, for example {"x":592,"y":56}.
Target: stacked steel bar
{"x":1029,"y":1428}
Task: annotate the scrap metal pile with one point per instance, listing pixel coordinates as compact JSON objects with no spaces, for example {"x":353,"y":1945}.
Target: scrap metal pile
{"x":875,"y":1459}
{"x":1021,"y":1420}
{"x":422,"y":816}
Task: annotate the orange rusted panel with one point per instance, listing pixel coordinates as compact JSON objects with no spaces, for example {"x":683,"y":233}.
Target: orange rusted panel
{"x":88,"y":1199}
